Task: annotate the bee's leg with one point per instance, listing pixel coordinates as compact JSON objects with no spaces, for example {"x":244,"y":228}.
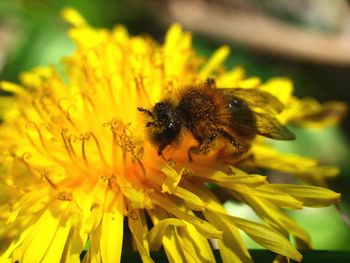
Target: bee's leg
{"x":160,"y":151}
{"x":203,"y":147}
{"x":231,"y":139}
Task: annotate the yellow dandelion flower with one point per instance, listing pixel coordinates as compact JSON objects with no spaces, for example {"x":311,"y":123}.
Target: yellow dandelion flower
{"x":77,"y":167}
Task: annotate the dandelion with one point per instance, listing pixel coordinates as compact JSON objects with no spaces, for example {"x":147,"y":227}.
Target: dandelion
{"x":77,"y":168}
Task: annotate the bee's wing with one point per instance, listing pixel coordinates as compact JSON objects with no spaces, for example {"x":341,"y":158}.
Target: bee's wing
{"x":257,"y":98}
{"x":270,"y":127}
{"x":246,"y":122}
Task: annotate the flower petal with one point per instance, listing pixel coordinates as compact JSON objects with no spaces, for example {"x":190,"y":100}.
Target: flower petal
{"x":239,"y":177}
{"x":111,"y":236}
{"x":312,"y":196}
{"x":277,"y":219}
{"x":73,"y":17}
{"x":263,"y":235}
{"x":202,"y":249}
{"x":137,"y":226}
{"x":170,"y":242}
{"x":54,"y":252}
{"x":232,"y":246}
{"x":74,"y":246}
{"x":214,"y":62}
{"x":202,"y":226}
{"x":37,"y":242}
{"x":172,"y":179}
{"x":155,"y":235}
{"x":249,"y":83}
{"x":279,"y":198}
{"x":281,"y":88}
{"x":268,"y":238}
{"x":192,"y":201}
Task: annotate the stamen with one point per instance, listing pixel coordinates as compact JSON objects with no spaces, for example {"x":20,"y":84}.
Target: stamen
{"x":71,"y":139}
{"x":171,"y":163}
{"x":67,"y":112}
{"x":99,"y":149}
{"x":45,"y":175}
{"x":66,"y":145}
{"x":142,"y":169}
{"x":130,"y":212}
{"x":94,"y":206}
{"x":38,"y":110}
{"x":34,"y":126}
{"x":125,"y":142}
{"x":88,"y":99}
{"x":24,"y":158}
{"x":112,"y":181}
{"x":45,"y":101}
{"x":83,"y":138}
{"x":138,"y":153}
{"x":65,"y":196}
{"x":115,"y":125}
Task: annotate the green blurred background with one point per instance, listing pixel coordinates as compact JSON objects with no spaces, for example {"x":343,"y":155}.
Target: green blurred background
{"x":32,"y":33}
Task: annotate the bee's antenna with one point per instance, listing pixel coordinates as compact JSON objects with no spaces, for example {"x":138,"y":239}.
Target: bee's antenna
{"x":148,"y":112}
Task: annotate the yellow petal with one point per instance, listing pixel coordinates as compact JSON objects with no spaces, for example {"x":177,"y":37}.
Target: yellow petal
{"x":111,"y":236}
{"x":94,"y":252}
{"x":249,"y":83}
{"x":312,"y":196}
{"x":138,"y":228}
{"x":310,"y":113}
{"x":38,"y":241}
{"x":238,"y":178}
{"x":54,"y":252}
{"x":6,"y":102}
{"x":192,"y":201}
{"x":170,"y":242}
{"x":72,"y":16}
{"x":305,"y":168}
{"x":201,"y":246}
{"x":231,"y":78}
{"x":74,"y":247}
{"x":277,"y":219}
{"x":9,"y":255}
{"x":202,"y":226}
{"x":191,"y":247}
{"x":268,"y":238}
{"x":138,"y":198}
{"x":232,"y":246}
{"x":12,"y":88}
{"x":156,"y":234}
{"x":281,"y":88}
{"x":31,"y":202}
{"x":263,"y":235}
{"x":214,"y":62}
{"x":173,"y":36}
{"x":278,"y":198}
{"x":172,"y":179}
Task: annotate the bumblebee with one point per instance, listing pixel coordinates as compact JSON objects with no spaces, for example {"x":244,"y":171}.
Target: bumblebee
{"x":209,"y":113}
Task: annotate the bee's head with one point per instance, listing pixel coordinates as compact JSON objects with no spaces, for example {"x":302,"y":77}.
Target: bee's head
{"x":164,"y":126}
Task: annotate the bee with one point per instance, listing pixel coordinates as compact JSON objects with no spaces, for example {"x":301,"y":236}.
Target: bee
{"x":235,"y":115}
